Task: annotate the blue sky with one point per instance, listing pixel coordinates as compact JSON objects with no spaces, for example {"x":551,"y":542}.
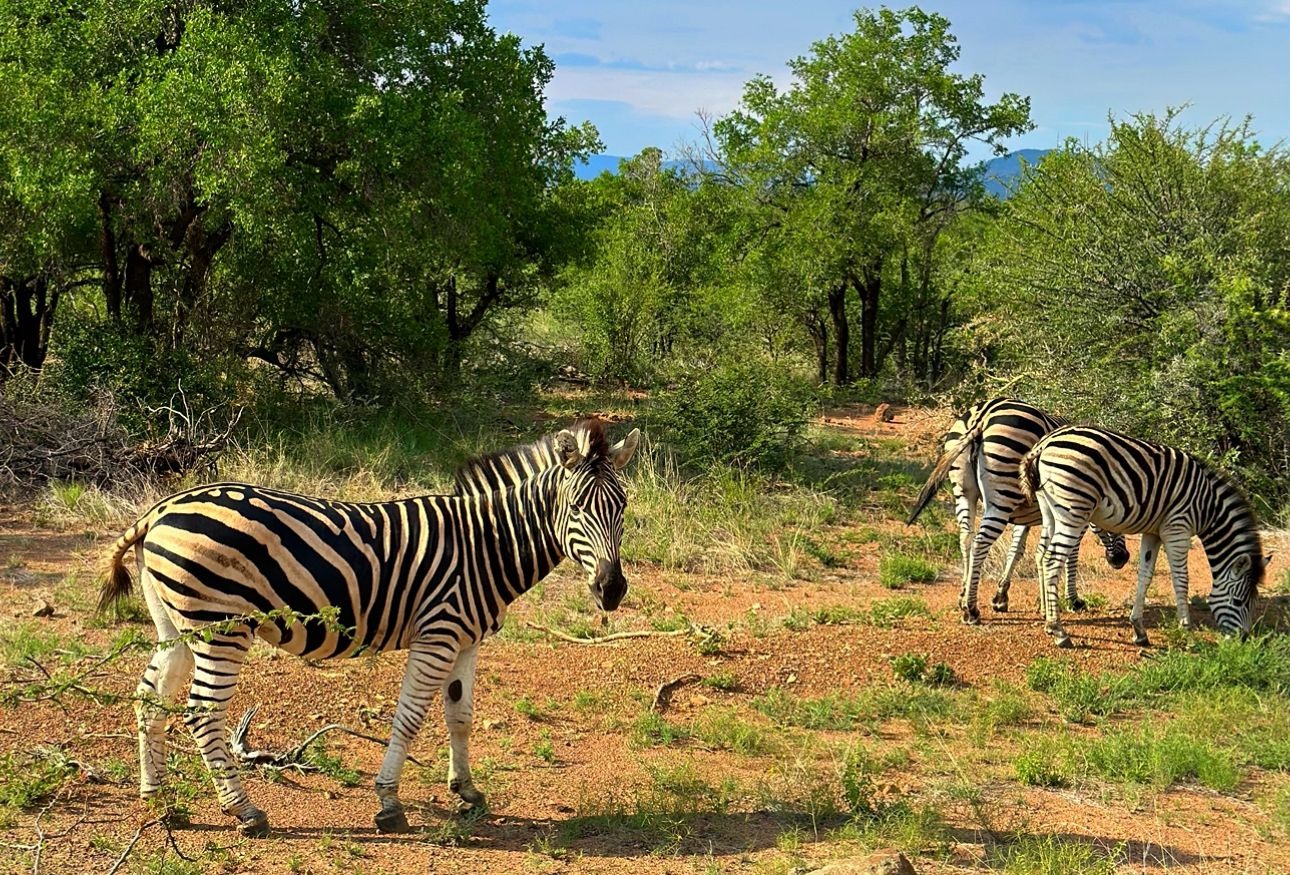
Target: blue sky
{"x":641,"y":70}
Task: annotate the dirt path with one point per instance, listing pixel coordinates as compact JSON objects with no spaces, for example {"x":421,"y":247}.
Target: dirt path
{"x":559,"y":727}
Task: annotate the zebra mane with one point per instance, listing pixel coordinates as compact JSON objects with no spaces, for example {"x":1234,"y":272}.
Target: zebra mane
{"x":492,"y":472}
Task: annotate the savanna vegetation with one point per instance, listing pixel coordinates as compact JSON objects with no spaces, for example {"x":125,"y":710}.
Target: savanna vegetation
{"x":338,"y":248}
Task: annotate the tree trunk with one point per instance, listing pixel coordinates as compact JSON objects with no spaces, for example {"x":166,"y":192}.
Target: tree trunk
{"x":870,"y":291}
{"x":138,"y":287}
{"x":819,"y":331}
{"x":202,"y":248}
{"x":111,"y":268}
{"x":841,"y":334}
{"x":27,"y":307}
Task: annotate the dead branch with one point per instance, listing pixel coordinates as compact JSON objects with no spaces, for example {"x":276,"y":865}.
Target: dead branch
{"x":700,"y":633}
{"x":138,"y":834}
{"x":663,"y":696}
{"x":293,"y":758}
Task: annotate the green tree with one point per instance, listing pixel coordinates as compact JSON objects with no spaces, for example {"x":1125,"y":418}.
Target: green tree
{"x":1142,"y":283}
{"x":860,"y":160}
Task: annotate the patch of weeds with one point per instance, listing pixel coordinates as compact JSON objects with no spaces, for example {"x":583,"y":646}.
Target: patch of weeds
{"x":1006,"y":706}
{"x":840,"y":712}
{"x":28,"y":780}
{"x":885,"y":613}
{"x":675,"y":622}
{"x":1161,"y":758}
{"x":548,"y":845}
{"x":836,"y":615}
{"x":455,"y":832}
{"x":798,"y":620}
{"x":526,"y":707}
{"x":1049,"y":855}
{"x":1261,"y":663}
{"x":544,"y":749}
{"x":1044,"y":764}
{"x":652,"y":729}
{"x":585,"y":700}
{"x":910,"y":666}
{"x":1079,"y":695}
{"x":331,"y":765}
{"x":28,"y":641}
{"x":1279,"y":809}
{"x":723,"y":681}
{"x":165,"y":863}
{"x":898,"y":570}
{"x":726,"y":730}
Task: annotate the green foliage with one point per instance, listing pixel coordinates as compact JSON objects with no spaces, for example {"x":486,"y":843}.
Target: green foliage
{"x":910,"y":666}
{"x":896,"y":570}
{"x":28,"y":780}
{"x":332,"y":765}
{"x":885,"y":613}
{"x":738,"y":413}
{"x":726,"y":730}
{"x":1043,"y":764}
{"x":652,"y":729}
{"x":1161,"y":758}
{"x":1149,"y":264}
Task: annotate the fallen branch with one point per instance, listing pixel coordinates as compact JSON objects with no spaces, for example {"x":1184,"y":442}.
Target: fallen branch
{"x":701,"y":633}
{"x":663,"y":696}
{"x":293,"y":758}
{"x":138,"y":834}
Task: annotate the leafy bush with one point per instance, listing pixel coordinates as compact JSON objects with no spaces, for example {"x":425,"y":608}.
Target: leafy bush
{"x":1042,"y":765}
{"x":738,"y":413}
{"x":910,"y":666}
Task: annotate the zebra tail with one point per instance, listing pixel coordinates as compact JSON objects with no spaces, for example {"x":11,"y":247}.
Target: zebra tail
{"x":942,"y":470}
{"x":119,"y":583}
{"x":1029,"y":474}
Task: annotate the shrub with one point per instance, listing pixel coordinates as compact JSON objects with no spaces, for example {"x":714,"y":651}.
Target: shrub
{"x":910,"y":666}
{"x":738,"y":413}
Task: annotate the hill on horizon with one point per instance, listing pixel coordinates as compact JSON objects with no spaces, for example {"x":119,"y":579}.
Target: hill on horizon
{"x":1000,"y":173}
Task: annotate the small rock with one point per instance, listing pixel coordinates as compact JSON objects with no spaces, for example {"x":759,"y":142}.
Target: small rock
{"x":887,"y":862}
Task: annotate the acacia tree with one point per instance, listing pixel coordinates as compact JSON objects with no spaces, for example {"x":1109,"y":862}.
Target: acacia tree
{"x":862,"y":153}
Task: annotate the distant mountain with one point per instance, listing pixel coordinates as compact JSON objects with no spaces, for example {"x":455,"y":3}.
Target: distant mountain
{"x":1001,"y":174}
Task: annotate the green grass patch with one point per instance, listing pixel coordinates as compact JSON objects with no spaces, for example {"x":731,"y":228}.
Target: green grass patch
{"x":652,"y":729}
{"x":26,"y":780}
{"x":726,"y":730}
{"x":898,"y":570}
{"x":866,"y":708}
{"x":1050,"y":855}
{"x":886,"y":613}
{"x":332,"y":765}
{"x":1161,"y":758}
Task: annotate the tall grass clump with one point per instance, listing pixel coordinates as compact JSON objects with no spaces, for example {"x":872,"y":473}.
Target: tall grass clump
{"x":1050,"y":855}
{"x":897,"y":570}
{"x":1162,"y":757}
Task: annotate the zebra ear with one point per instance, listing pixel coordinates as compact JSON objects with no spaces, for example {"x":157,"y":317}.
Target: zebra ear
{"x":621,"y":453}
{"x":566,"y":449}
{"x":1267,"y":560}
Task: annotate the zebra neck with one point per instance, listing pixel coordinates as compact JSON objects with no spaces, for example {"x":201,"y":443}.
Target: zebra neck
{"x":517,"y":545}
{"x":1229,"y":529}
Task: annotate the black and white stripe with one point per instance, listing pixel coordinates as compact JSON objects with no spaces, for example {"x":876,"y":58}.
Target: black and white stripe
{"x":981,"y":455}
{"x":1080,"y":475}
{"x":432,"y":575}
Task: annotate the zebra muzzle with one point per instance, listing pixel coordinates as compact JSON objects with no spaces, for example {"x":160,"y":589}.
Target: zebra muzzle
{"x":608,"y":584}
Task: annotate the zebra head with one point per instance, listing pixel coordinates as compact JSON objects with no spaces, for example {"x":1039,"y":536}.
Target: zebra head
{"x":590,"y":501}
{"x":1231,"y":600}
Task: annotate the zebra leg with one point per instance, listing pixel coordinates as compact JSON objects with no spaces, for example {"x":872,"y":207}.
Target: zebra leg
{"x":158,"y":691}
{"x":965,"y":514}
{"x":1000,"y":600}
{"x":458,"y":713}
{"x":1072,"y":571}
{"x":218,"y":662}
{"x":991,"y":527}
{"x":1146,"y":566}
{"x":1177,"y":546}
{"x":1060,"y":539}
{"x":429,"y":664}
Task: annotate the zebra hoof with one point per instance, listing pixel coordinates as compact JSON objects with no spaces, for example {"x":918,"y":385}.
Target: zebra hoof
{"x":971,"y":617}
{"x":1000,"y":604}
{"x":1141,"y":640}
{"x":254,"y":824}
{"x":470,"y":797}
{"x":392,"y":820}
{"x":1078,"y":604}
{"x":1063,"y":641}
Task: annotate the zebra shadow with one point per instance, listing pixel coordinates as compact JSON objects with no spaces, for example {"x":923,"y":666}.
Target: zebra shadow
{"x":997,"y":847}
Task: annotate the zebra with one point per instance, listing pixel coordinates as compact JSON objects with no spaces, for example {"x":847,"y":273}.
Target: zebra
{"x":1081,"y":474}
{"x":222,"y":563}
{"x":995,"y":435}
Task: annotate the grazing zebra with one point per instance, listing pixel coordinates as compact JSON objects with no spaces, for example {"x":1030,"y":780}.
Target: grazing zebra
{"x":995,"y":435}
{"x":434,"y":575}
{"x":1080,"y":475}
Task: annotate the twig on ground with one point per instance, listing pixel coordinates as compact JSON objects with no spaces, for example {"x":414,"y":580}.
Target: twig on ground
{"x":663,"y":696}
{"x":702,"y":633}
{"x":293,"y":758}
{"x":138,"y":834}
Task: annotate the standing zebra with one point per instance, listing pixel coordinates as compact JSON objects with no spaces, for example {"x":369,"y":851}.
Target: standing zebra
{"x":433,"y":575}
{"x":995,"y":435}
{"x":1081,"y":475}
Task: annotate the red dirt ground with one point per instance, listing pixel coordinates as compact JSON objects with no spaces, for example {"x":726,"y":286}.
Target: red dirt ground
{"x":321,"y":826}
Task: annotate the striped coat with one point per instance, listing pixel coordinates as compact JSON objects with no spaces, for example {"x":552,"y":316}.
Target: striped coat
{"x":1080,"y":475}
{"x":221,"y":564}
